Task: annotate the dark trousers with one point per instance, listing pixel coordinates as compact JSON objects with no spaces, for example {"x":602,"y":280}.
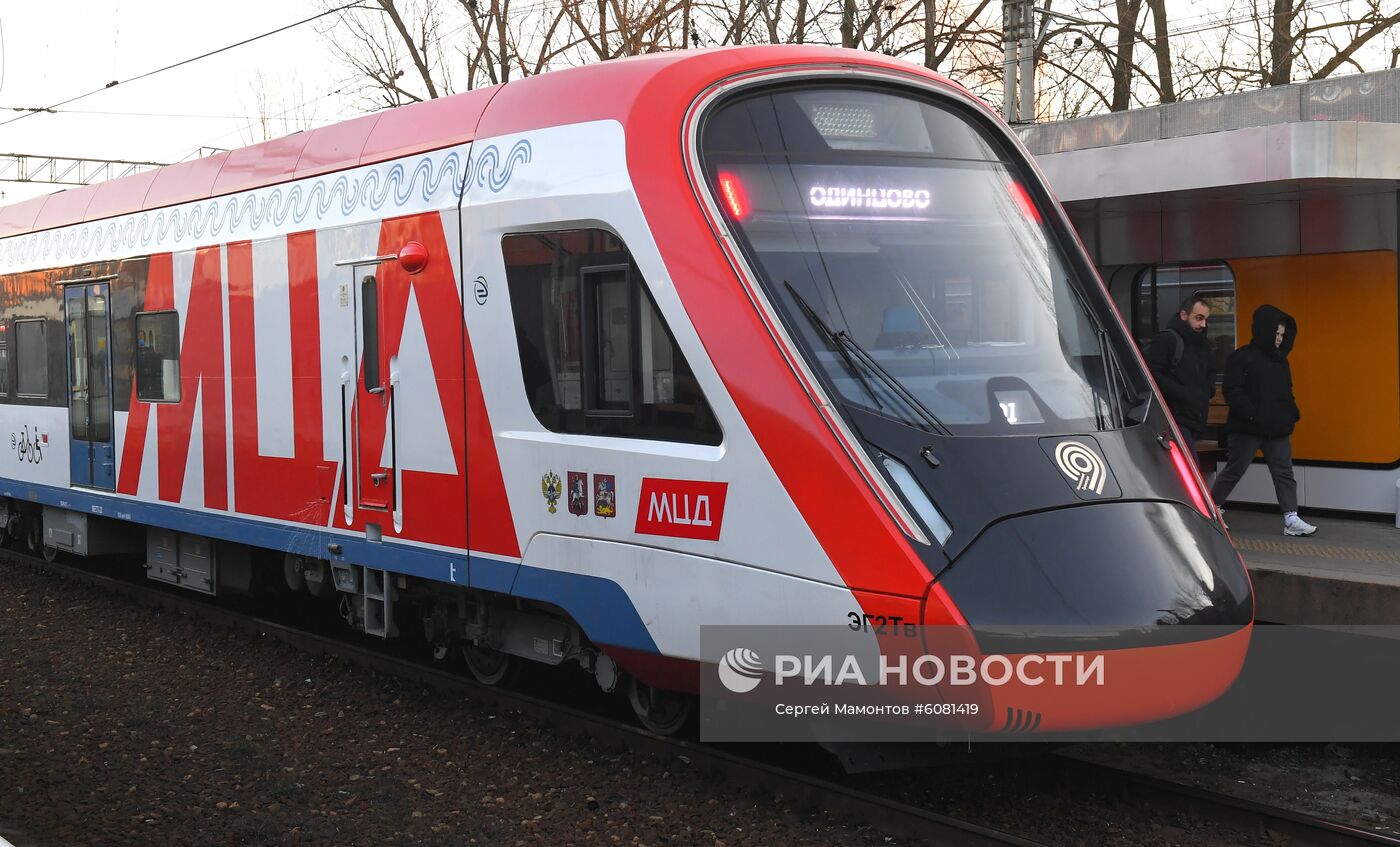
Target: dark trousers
{"x":1278,"y":453}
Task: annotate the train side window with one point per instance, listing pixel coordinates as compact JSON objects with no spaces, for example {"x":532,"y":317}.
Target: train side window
{"x":158,"y":357}
{"x":32,"y":356}
{"x":369,"y":330}
{"x":596,"y":356}
{"x":1160,"y":290}
{"x":608,"y":306}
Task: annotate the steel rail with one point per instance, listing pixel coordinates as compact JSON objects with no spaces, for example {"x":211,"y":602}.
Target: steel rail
{"x":858,"y":807}
{"x":1285,"y":825}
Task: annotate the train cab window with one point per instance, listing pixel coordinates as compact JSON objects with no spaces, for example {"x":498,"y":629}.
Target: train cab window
{"x":1160,"y":291}
{"x":32,"y":357}
{"x":595,"y":354}
{"x":158,"y":357}
{"x":911,"y":255}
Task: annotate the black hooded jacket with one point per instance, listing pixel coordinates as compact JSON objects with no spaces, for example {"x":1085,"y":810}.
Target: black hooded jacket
{"x":1189,"y":385}
{"x":1258,"y":383}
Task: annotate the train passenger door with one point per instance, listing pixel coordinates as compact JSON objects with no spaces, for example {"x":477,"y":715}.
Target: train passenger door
{"x":375,"y":450}
{"x":91,"y":456}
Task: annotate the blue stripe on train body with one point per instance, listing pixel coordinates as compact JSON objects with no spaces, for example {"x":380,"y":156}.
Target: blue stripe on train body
{"x":600,"y":606}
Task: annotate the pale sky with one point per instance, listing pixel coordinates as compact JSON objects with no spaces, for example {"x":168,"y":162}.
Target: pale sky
{"x":51,"y":50}
{"x":55,"y":49}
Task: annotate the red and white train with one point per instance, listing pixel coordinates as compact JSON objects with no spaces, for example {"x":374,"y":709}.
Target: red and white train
{"x":568,"y":367}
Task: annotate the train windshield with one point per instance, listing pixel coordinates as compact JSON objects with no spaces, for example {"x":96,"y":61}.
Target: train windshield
{"x":911,"y":263}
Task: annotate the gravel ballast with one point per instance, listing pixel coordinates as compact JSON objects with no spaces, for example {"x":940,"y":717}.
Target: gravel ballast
{"x":123,"y":726}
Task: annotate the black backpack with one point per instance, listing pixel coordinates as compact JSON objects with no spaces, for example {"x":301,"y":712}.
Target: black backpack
{"x":1178,"y":349}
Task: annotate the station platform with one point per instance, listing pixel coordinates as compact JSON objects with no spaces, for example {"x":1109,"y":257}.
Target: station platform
{"x":1348,"y":574}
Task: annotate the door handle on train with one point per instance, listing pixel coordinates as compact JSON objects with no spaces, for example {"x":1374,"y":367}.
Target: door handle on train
{"x":378,"y":478}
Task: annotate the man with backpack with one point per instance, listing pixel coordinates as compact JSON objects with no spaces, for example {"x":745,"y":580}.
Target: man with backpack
{"x":1180,"y":362}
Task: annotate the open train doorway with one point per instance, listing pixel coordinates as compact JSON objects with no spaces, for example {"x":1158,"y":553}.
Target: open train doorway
{"x":86,"y":316}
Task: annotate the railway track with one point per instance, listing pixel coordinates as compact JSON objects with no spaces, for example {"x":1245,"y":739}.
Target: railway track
{"x":1276,"y":825}
{"x":902,"y":818}
{"x":892,"y":817}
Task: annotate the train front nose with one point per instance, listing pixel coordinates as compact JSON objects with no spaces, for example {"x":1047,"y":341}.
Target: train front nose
{"x":1103,"y":566}
{"x":1149,"y":588}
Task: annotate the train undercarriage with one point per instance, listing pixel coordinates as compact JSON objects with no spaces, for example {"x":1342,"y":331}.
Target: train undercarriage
{"x":492,"y":634}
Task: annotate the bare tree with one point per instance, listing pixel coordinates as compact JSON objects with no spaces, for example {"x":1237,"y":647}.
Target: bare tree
{"x":1106,"y":55}
{"x":1282,"y":47}
{"x":1100,"y":69}
{"x":275,"y":110}
{"x":394,"y":47}
{"x":1325,"y":47}
{"x":1162,"y":51}
{"x":492,"y":55}
{"x":1276,"y":42}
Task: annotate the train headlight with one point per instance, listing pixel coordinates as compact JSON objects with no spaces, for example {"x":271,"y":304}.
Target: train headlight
{"x":916,"y":497}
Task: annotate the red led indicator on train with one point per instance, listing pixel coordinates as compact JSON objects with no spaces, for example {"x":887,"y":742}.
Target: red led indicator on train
{"x":734,"y":196}
{"x":1023,"y":201}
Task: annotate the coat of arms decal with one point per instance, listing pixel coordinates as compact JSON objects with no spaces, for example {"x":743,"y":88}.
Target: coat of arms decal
{"x":551,"y":488}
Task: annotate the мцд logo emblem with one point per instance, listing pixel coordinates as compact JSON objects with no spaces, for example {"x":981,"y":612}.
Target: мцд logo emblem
{"x":1080,"y":461}
{"x":1082,"y":465}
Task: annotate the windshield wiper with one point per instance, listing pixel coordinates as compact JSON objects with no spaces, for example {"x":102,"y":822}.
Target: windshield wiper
{"x":851,"y":351}
{"x":892,"y":382}
{"x":831,"y":338}
{"x":1111,"y":369}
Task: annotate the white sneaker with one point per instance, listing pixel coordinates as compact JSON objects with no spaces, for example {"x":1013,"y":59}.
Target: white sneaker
{"x":1294,"y":525}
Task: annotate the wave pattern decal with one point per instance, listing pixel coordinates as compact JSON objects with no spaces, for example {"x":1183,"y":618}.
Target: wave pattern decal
{"x":491,"y":172}
{"x":430,"y":182}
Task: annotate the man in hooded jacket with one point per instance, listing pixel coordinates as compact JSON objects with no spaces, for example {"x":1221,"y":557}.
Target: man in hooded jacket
{"x":1180,"y":362}
{"x":1259,"y":390}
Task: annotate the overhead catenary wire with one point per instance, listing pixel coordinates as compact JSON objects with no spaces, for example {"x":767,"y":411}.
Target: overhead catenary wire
{"x":1051,"y":51}
{"x":279,"y":116}
{"x":532,"y":8}
{"x":56,"y":106}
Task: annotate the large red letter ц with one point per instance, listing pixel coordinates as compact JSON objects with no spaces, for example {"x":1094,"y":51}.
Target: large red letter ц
{"x":201,"y":381}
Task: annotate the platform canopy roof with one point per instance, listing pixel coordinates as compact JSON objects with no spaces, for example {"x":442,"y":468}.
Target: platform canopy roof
{"x":1316,"y":133}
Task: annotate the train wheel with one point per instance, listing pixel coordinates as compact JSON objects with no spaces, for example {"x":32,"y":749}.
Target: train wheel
{"x":490,"y":667}
{"x":318,"y":579}
{"x":292,"y":566}
{"x":34,"y":534}
{"x":662,"y":712}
